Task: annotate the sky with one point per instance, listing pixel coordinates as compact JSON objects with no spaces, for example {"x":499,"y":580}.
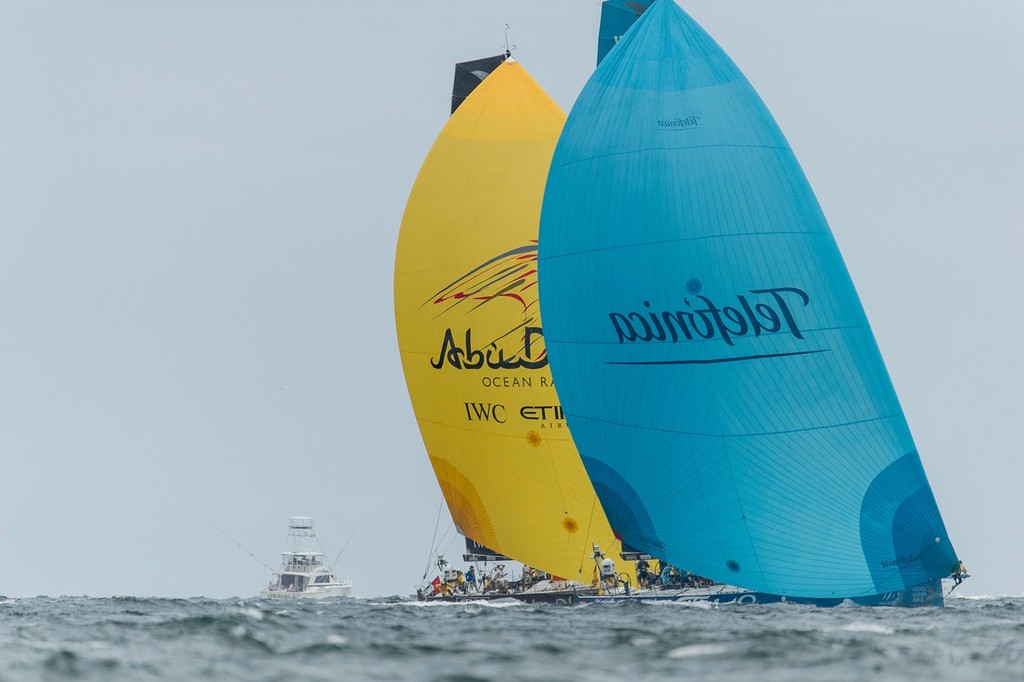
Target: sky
{"x":199,"y":206}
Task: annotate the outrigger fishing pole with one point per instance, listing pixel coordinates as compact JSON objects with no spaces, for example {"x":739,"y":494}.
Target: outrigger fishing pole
{"x":260,"y":561}
{"x":343,"y":549}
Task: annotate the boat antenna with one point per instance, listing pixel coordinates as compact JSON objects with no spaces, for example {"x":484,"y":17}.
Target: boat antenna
{"x":342,"y":550}
{"x":260,"y":561}
{"x":508,"y":46}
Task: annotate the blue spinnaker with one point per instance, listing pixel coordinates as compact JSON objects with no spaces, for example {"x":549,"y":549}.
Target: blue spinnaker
{"x":713,"y":360}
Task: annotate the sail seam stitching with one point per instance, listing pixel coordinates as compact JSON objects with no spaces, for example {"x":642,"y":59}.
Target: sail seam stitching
{"x":566,"y":164}
{"x":738,"y":435}
{"x":683,"y":240}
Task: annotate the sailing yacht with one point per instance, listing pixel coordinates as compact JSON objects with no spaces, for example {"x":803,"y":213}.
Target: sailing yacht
{"x":471,"y":338}
{"x":713,"y":360}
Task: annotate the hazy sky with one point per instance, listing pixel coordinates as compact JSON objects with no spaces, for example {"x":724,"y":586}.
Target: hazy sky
{"x":199,"y":205}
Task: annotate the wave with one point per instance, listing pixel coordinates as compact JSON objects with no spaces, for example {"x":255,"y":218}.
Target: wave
{"x":874,"y":628}
{"x":487,"y":603}
{"x":694,"y":650}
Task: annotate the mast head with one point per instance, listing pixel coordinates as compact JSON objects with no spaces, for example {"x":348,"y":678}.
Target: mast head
{"x":508,"y":46}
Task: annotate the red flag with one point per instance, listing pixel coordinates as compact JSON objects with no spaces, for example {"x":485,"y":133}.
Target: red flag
{"x":436,"y":584}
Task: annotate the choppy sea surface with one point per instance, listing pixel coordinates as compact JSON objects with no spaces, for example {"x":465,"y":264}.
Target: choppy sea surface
{"x":71,"y":638}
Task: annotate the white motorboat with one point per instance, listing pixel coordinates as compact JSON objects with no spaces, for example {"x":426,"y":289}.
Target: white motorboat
{"x":304,"y":572}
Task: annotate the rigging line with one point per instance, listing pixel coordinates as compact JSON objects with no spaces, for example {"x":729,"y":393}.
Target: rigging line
{"x":449,"y":546}
{"x":444,"y":537}
{"x":590,"y":526}
{"x":430,"y":556}
{"x":269,"y":569}
{"x":440,"y":554}
{"x":331,"y":567}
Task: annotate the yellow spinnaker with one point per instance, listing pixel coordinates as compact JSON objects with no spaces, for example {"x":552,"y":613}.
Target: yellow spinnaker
{"x":469,"y":330}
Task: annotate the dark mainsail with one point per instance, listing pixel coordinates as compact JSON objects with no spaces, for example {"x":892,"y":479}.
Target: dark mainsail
{"x":616,"y":18}
{"x":470,"y":74}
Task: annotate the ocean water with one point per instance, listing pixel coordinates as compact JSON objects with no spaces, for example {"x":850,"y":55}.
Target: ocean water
{"x":72,"y":638}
